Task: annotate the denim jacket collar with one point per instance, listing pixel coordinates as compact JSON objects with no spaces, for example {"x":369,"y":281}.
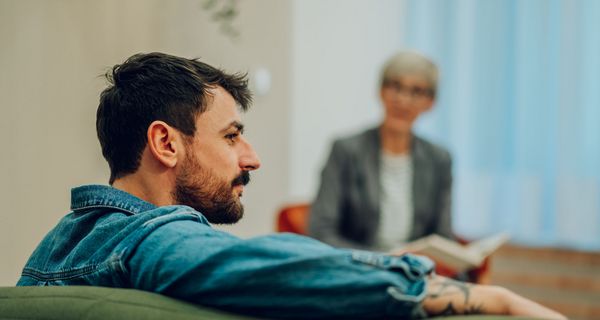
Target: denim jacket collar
{"x":99,"y":196}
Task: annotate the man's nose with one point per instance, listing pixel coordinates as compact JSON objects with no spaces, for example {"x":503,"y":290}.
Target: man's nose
{"x":249,"y":159}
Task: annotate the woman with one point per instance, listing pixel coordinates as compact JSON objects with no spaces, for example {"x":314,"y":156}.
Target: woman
{"x":386,"y":186}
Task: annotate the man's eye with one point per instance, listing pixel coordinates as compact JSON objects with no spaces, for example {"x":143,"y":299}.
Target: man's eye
{"x":232,"y":136}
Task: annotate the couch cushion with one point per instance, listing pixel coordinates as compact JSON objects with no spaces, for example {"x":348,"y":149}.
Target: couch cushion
{"x":92,"y":303}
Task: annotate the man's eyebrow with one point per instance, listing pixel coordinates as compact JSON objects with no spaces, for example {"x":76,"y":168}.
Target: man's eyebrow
{"x":236,"y":124}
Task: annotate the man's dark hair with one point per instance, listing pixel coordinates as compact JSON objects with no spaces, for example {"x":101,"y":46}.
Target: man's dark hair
{"x":156,"y":86}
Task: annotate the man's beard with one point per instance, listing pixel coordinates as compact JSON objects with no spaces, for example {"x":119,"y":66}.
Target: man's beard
{"x":202,"y":190}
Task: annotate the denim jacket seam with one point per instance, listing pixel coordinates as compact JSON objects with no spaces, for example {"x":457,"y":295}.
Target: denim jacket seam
{"x":102,"y":206}
{"x":401,"y":301}
{"x":414,"y":268}
{"x":59,"y":275}
{"x":115,"y":263}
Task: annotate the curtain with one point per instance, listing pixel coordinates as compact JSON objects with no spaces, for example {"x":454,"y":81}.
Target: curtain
{"x":519,"y":109}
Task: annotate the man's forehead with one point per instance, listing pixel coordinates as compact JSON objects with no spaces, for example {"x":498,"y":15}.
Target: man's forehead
{"x":221,"y":112}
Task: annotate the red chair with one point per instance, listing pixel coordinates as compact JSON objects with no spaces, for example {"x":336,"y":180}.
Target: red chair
{"x":294,"y":218}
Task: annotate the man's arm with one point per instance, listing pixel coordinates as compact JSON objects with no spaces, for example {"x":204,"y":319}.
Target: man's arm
{"x":449,"y":297}
{"x":279,"y":276}
{"x":290,"y":276}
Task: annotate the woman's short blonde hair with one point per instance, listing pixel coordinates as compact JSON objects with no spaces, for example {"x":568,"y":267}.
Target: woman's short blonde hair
{"x":410,"y":63}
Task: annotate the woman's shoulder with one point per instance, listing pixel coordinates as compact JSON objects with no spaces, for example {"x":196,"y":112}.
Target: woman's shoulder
{"x":431,"y":149}
{"x":358,"y":141}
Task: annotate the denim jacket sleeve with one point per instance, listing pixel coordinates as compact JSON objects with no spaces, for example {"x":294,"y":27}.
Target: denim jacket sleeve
{"x":277,"y":276}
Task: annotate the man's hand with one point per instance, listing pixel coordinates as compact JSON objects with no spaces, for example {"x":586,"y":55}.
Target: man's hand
{"x":448,"y":297}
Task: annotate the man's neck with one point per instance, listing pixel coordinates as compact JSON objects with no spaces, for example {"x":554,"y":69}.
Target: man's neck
{"x":136,"y":185}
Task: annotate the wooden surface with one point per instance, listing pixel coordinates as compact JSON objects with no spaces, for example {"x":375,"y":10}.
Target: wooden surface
{"x":565,"y":280}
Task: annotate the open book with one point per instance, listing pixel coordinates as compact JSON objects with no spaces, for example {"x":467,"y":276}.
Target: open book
{"x":455,"y":255}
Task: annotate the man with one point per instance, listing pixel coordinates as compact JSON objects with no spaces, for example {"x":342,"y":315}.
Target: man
{"x":171,"y":132}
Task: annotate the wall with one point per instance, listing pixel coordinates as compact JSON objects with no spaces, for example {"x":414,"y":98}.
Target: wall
{"x":52,"y":53}
{"x":337,"y":54}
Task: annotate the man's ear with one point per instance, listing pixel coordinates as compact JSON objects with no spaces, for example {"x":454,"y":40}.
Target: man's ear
{"x":164,"y":142}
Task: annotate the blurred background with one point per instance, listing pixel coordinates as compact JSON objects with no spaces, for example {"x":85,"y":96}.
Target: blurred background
{"x":518,"y":107}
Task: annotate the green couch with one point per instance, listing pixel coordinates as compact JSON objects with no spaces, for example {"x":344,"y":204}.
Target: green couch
{"x":91,"y":303}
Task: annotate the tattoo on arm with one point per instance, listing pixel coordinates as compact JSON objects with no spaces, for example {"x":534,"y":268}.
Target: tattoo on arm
{"x":453,"y":290}
{"x":448,"y":287}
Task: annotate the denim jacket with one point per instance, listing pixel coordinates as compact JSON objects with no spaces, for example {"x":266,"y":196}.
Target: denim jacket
{"x":114,"y":239}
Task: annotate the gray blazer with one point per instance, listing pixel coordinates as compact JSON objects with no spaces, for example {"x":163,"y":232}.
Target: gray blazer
{"x":346,"y":211}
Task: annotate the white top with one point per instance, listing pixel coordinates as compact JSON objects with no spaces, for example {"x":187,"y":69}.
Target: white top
{"x":396,"y":200}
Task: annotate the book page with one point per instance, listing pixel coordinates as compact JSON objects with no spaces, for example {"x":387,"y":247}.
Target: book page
{"x":488,"y":245}
{"x":453,"y":254}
